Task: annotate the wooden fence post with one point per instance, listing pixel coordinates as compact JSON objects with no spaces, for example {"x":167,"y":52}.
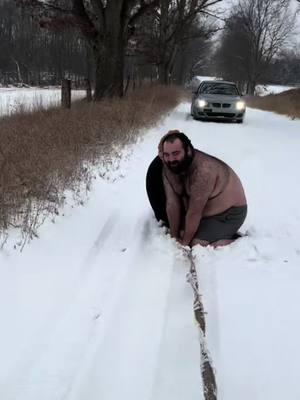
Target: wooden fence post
{"x":66,"y":93}
{"x":88,"y":89}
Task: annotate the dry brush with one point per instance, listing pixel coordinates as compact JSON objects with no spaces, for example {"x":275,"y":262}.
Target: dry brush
{"x":45,"y":154}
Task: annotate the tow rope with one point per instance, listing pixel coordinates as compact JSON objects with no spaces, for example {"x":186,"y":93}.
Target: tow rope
{"x":207,"y":371}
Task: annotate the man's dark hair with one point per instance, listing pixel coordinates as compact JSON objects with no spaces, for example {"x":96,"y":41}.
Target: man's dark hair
{"x":171,"y":136}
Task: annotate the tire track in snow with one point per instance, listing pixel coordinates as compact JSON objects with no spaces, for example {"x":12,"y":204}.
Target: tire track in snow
{"x":135,"y":348}
{"x":129,"y":345}
{"x":103,"y":237}
{"x":50,"y":375}
{"x":179,"y":354}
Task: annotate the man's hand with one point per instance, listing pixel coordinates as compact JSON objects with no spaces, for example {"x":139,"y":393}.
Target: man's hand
{"x":180,"y":239}
{"x":182,"y":242}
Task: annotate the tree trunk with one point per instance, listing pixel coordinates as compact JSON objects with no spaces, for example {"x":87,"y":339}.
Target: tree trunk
{"x":163,"y":72}
{"x":251,"y":84}
{"x":88,"y":89}
{"x":167,"y":64}
{"x":66,"y":93}
{"x":109,"y":62}
{"x":19,"y":76}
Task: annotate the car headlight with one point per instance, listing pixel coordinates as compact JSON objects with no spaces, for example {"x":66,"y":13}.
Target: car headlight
{"x":201,"y":103}
{"x":240,"y":105}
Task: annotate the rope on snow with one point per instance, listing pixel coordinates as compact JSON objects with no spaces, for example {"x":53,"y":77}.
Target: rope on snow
{"x":207,"y":371}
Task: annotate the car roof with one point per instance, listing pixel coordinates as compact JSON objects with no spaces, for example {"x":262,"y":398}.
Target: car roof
{"x":218,"y":81}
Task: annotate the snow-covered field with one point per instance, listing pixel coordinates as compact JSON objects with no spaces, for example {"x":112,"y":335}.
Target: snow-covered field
{"x":98,"y":306}
{"x":13,"y":99}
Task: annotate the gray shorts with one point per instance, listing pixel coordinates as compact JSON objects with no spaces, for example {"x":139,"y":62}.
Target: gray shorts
{"x":221,"y":226}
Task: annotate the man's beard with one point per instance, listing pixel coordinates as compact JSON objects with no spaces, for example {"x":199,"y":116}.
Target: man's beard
{"x":178,"y":167}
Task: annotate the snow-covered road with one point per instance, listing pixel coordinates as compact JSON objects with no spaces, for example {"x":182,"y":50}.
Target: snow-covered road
{"x":99,"y":308}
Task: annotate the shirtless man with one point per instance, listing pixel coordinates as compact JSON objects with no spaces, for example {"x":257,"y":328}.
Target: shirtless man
{"x":205,"y":200}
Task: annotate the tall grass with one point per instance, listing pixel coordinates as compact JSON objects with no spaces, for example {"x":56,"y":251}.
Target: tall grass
{"x":287,"y":103}
{"x":49,"y":152}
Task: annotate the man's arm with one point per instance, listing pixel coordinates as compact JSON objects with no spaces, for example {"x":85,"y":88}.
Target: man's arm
{"x":173,"y":208}
{"x":202,"y":183}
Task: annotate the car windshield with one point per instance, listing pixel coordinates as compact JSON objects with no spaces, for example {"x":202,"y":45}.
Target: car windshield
{"x":218,"y":88}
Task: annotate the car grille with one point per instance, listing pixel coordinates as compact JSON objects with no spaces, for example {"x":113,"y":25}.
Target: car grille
{"x":219,"y":105}
{"x":219,"y":114}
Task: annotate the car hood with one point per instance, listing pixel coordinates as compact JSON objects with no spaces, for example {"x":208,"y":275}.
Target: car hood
{"x":220,"y":97}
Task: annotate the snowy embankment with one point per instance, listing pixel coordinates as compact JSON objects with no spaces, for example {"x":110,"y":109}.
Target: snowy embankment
{"x":265,"y":90}
{"x":28,"y":99}
{"x":98,"y":306}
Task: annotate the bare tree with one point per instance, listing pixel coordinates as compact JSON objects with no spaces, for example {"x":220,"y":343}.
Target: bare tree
{"x":255,"y":32}
{"x":173,"y":26}
{"x":105,"y":24}
{"x":232,"y":59}
{"x":192,"y":59}
{"x":285,"y":68}
{"x":201,"y":51}
{"x":267,"y":24}
{"x":176,"y":49}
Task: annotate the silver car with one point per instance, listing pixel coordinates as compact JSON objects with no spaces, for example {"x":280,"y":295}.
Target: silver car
{"x":218,"y":100}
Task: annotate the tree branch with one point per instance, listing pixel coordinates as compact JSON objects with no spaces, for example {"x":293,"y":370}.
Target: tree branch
{"x":143,"y":9}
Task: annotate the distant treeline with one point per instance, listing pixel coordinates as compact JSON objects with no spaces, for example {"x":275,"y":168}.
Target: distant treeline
{"x":250,"y":49}
{"x":34,"y":56}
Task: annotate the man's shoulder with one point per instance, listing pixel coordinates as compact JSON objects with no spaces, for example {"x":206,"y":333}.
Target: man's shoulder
{"x":201,"y":155}
{"x":200,"y":160}
{"x":205,"y":159}
{"x":204,"y":166}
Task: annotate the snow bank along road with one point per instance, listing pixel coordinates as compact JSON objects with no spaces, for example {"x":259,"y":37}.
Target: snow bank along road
{"x":99,"y":308}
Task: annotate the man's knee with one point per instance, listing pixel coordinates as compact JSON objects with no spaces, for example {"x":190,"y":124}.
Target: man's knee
{"x":217,"y":243}
{"x":203,"y":243}
{"x":222,"y":242}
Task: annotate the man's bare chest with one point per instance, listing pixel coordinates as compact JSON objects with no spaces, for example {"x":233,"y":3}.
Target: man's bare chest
{"x":181,"y":184}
